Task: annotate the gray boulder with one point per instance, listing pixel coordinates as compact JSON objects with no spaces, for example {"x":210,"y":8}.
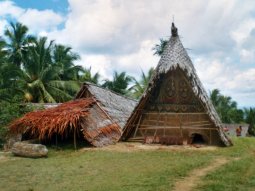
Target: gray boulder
{"x":10,"y":140}
{"x":29,"y":150}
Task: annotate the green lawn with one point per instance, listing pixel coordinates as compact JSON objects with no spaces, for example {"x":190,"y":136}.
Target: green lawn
{"x":134,"y":170}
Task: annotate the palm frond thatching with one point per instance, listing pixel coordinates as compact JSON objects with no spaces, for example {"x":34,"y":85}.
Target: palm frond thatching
{"x":56,"y":120}
{"x":81,"y":115}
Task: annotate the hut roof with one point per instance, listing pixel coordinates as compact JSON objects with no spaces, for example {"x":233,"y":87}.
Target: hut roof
{"x":72,"y":116}
{"x":53,"y":120}
{"x":117,"y":106}
{"x":175,"y":56}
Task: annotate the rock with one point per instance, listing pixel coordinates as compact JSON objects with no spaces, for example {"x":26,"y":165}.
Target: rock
{"x":29,"y":150}
{"x":11,"y":139}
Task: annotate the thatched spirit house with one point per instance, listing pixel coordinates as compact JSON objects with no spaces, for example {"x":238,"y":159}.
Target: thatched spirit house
{"x":175,"y":108}
{"x":96,"y":114}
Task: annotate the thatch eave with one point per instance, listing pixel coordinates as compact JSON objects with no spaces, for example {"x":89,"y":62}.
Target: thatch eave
{"x":80,"y":115}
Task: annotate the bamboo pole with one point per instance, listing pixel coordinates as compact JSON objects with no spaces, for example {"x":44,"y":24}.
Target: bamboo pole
{"x":210,"y":137}
{"x":165,"y":125}
{"x":137,"y":125}
{"x":180,"y":122}
{"x":172,"y":113}
{"x":56,"y":141}
{"x":106,"y":114}
{"x":176,"y":127}
{"x":74,"y":139}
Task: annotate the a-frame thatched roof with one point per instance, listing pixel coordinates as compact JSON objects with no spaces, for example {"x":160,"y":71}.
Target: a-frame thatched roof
{"x":117,"y":106}
{"x":173,"y":57}
{"x":98,"y":113}
{"x":80,"y":116}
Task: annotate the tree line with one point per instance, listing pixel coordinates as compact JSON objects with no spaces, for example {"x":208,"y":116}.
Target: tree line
{"x":35,"y":69}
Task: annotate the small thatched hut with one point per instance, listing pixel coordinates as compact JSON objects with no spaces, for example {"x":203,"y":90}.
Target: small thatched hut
{"x":117,"y":106}
{"x":175,"y":108}
{"x":99,"y":119}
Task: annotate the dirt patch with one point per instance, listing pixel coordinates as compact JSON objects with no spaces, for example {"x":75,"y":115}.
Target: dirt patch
{"x":190,"y":182}
{"x":131,"y":147}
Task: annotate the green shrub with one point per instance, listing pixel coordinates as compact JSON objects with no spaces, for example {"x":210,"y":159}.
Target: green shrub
{"x":9,"y":112}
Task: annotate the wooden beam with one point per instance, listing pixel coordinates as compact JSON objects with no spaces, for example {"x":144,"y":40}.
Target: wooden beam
{"x":175,"y":127}
{"x":104,"y":111}
{"x":165,"y":119}
{"x":74,"y":138}
{"x":141,"y":131}
{"x":137,"y":125}
{"x":195,"y":122}
{"x":180,"y":122}
{"x":210,"y":137}
{"x":155,"y":132}
{"x":172,"y":113}
{"x":56,"y":140}
{"x":198,"y":125}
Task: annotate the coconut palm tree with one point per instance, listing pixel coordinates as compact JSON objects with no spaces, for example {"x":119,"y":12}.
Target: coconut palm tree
{"x":119,"y":83}
{"x":18,"y":42}
{"x":215,"y":97}
{"x":39,"y":80}
{"x":88,"y":77}
{"x":249,"y":115}
{"x":142,"y":84}
{"x":226,"y":107}
{"x":3,"y":51}
{"x":8,"y":72}
{"x":9,"y":90}
{"x":159,"y":48}
{"x":64,"y":58}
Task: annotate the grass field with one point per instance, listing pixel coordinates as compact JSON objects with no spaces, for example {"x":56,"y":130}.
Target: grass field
{"x":153,"y":168}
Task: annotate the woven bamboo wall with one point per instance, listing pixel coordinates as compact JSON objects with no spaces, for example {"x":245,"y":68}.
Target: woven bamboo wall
{"x":173,"y":114}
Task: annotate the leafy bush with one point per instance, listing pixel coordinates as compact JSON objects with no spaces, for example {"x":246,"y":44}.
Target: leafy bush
{"x":250,"y":119}
{"x":9,"y":112}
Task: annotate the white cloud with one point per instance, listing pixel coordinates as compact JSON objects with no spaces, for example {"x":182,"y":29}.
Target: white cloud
{"x":242,"y":32}
{"x":142,"y":60}
{"x":98,"y":63}
{"x":247,"y":56}
{"x":134,"y":63}
{"x":35,"y":20}
{"x":40,"y":20}
{"x":120,"y":26}
{"x":230,"y":80}
{"x":3,"y":24}
{"x":10,"y":9}
{"x":118,"y":35}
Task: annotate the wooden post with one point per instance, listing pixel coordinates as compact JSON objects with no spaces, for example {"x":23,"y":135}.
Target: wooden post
{"x":56,"y":140}
{"x":137,"y":125}
{"x":180,"y":122}
{"x":210,"y":137}
{"x":155,"y":133}
{"x":74,"y":138}
{"x":165,"y":125}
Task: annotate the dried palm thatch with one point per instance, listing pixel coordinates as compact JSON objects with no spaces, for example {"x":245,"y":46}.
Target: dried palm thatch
{"x":73,"y":116}
{"x":117,"y":106}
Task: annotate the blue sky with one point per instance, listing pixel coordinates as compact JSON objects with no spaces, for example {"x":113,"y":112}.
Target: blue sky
{"x":119,"y":35}
{"x":56,"y":5}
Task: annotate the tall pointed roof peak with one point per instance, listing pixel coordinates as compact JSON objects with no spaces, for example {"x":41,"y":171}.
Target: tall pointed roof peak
{"x":174,"y":30}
